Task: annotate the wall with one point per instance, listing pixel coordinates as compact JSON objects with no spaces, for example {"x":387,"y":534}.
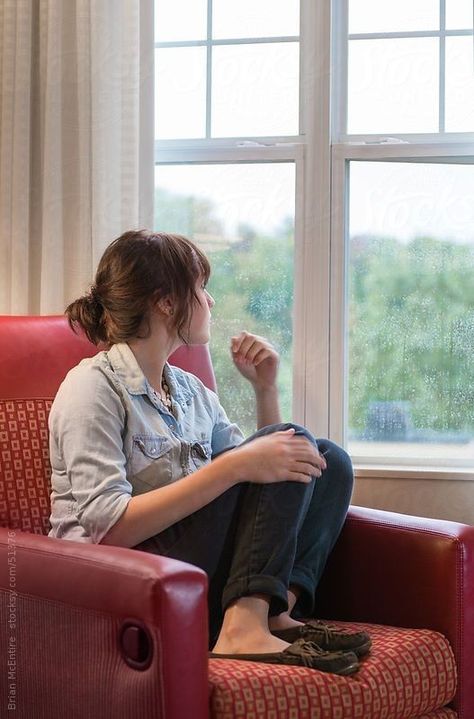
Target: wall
{"x":439,"y":498}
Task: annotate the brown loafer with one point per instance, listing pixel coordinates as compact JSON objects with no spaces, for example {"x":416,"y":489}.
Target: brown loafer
{"x":329,"y":637}
{"x":303,"y":654}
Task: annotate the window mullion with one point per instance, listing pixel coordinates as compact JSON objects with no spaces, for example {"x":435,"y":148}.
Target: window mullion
{"x":314,"y":277}
{"x":339,"y":69}
{"x":209,"y":70}
{"x":299,"y":325}
{"x":442,"y":66}
{"x":338,"y":358}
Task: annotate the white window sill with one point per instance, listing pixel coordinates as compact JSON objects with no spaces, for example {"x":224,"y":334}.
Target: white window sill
{"x":374,"y":471}
{"x":413,"y":460}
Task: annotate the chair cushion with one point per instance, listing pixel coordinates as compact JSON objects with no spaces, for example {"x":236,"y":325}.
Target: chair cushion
{"x":25,"y":472}
{"x":409,"y":673}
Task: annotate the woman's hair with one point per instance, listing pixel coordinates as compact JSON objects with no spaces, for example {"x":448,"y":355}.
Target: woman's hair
{"x":139,"y":268}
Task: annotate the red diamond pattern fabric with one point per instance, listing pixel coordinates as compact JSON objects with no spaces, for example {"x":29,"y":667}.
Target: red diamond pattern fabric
{"x":25,"y":473}
{"x":441,"y":714}
{"x":409,"y":673}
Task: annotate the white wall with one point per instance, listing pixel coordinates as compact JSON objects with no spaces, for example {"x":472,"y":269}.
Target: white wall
{"x":439,"y":498}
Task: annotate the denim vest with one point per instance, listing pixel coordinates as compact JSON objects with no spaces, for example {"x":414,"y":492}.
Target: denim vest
{"x":111,"y":438}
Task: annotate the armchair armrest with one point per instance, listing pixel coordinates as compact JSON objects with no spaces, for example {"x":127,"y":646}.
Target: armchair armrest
{"x":64,"y":605}
{"x":389,"y":568}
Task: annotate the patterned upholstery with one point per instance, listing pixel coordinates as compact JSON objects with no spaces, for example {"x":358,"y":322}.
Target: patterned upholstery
{"x":408,"y":674}
{"x":24,"y":465}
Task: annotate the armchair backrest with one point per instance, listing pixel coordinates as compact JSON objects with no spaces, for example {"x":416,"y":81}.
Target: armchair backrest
{"x":36,"y":353}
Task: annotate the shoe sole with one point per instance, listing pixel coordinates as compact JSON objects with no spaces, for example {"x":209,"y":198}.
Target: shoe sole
{"x":345,"y":671}
{"x":360,"y":651}
{"x":351,"y":669}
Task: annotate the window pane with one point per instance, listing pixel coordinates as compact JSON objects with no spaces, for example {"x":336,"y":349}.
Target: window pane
{"x":459,"y":14}
{"x":180,"y":20}
{"x":393,"y":86}
{"x":247,"y":18}
{"x":459,"y":84}
{"x":411,"y":312}
{"x":403,"y":15}
{"x":180,"y":92}
{"x":242,"y":215}
{"x":255,"y":90}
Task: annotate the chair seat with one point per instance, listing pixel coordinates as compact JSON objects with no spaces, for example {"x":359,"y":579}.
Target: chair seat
{"x":409,"y":673}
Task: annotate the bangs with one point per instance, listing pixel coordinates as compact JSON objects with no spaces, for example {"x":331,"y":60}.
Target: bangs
{"x":201,"y":264}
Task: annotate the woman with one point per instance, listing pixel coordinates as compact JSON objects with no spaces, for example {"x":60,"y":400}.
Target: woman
{"x":144,"y":456}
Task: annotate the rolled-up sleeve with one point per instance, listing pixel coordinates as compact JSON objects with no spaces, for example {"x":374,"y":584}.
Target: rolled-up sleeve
{"x":225,"y":434}
{"x":86,"y":429}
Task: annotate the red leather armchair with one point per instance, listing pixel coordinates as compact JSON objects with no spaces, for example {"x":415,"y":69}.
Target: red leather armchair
{"x":98,"y":631}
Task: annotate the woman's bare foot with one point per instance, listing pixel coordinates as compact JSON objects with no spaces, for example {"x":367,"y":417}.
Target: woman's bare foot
{"x":245,"y":629}
{"x":283,"y":621}
{"x":248,"y":643}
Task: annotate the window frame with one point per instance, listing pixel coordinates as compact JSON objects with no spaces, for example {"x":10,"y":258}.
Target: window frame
{"x":209,"y":43}
{"x":339,"y":89}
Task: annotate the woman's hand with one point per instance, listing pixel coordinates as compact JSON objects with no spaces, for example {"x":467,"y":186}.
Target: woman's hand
{"x":256,"y":359}
{"x":277,"y":457}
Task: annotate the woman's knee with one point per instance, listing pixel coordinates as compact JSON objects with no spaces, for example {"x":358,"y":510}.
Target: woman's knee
{"x":338,"y":462}
{"x":282,"y":427}
{"x":299,"y":430}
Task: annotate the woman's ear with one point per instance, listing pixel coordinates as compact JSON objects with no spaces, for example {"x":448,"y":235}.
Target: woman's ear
{"x":165,"y":306}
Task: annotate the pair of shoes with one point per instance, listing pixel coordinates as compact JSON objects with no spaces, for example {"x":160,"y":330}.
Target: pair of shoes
{"x":303,"y":653}
{"x":329,"y":637}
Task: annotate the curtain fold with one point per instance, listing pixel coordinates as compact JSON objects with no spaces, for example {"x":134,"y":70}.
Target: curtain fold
{"x":71,"y":93}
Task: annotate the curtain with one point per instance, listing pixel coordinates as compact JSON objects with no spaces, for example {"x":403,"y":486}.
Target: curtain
{"x":76,"y":152}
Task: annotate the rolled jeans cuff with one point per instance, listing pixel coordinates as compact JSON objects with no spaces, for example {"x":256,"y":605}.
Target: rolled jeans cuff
{"x":305,"y":603}
{"x":260,"y":584}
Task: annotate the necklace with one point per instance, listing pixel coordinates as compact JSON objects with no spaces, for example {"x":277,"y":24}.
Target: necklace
{"x":167,"y":401}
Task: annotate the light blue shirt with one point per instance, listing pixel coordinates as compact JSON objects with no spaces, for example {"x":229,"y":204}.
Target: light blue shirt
{"x":111,"y":438}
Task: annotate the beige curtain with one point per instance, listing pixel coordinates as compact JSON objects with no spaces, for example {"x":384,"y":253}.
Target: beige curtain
{"x":76,"y":142}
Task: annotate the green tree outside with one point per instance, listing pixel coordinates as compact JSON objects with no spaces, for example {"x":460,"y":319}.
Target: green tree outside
{"x":411,"y":328}
{"x":252,"y":283}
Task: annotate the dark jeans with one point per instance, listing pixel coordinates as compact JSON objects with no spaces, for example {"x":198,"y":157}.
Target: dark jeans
{"x":260,"y":538}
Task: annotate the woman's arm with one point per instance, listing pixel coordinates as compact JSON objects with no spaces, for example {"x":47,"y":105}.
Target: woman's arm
{"x":268,"y":406}
{"x":86,"y":427}
{"x":277,"y":457}
{"x":151,"y":513}
{"x":257,"y":360}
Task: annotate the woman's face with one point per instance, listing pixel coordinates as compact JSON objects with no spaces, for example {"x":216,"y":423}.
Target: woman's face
{"x":199,"y":328}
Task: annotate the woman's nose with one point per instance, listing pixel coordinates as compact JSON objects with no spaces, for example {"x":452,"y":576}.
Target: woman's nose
{"x":210,"y":299}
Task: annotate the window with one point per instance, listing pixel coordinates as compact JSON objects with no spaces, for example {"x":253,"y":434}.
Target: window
{"x":410,"y":67}
{"x":226,"y":121}
{"x":403,"y":244}
{"x":411,"y":312}
{"x":242,"y":215}
{"x":322,"y":154}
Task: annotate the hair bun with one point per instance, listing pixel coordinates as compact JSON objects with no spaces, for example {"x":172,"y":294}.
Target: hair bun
{"x":87,"y":312}
{"x":94,"y":296}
